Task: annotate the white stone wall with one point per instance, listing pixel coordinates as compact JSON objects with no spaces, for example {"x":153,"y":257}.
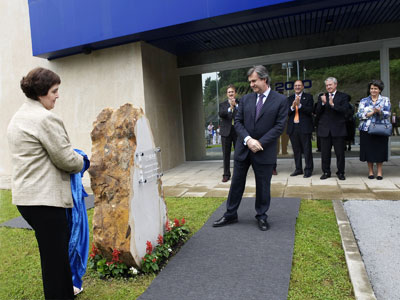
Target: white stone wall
{"x":15,"y":60}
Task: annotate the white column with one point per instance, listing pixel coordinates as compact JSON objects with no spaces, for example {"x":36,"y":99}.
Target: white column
{"x":385,"y":70}
{"x":385,"y":77}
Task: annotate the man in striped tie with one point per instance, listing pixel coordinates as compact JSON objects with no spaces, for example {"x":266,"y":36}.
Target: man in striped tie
{"x":260,"y":120}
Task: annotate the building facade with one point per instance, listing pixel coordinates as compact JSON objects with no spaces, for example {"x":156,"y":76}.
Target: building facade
{"x":152,"y":54}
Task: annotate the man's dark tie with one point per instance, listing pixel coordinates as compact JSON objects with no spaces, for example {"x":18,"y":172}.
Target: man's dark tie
{"x":259,"y":105}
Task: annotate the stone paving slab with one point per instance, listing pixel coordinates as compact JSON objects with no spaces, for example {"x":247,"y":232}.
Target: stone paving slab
{"x":299,"y":181}
{"x":278,"y":193}
{"x":332,"y":181}
{"x":174,"y":192}
{"x":351,"y":181}
{"x":350,"y":188}
{"x":359,"y":196}
{"x":387,"y":195}
{"x":197,"y":189}
{"x":217,"y":193}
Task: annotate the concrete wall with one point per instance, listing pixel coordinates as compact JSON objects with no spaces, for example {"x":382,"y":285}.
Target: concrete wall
{"x":89,"y":83}
{"x":163,"y":103}
{"x":193,"y":117}
{"x":15,"y":61}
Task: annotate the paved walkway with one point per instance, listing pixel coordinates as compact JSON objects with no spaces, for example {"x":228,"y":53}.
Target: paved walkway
{"x":203,"y":179}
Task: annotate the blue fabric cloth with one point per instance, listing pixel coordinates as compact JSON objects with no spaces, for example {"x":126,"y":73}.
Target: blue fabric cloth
{"x":78,"y":225}
{"x":367,"y":105}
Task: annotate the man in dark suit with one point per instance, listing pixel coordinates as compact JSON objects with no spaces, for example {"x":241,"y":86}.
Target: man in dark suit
{"x":259,"y":122}
{"x":300,"y":128}
{"x":227,"y":113}
{"x":331,"y":110}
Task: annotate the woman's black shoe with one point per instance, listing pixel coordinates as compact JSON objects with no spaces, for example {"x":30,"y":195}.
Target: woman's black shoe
{"x":371,"y":177}
{"x":379,"y":177}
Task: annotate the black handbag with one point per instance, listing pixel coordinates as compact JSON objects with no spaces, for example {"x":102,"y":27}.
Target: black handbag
{"x":384,"y":129}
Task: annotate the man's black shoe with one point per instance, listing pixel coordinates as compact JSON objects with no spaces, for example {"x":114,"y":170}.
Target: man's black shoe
{"x":296,"y":172}
{"x":325,"y":176}
{"x":307,"y":175}
{"x":341,"y":176}
{"x":225,"y":178}
{"x":224,"y":221}
{"x":263,"y":224}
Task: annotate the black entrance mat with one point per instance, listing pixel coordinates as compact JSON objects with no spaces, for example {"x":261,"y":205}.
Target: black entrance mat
{"x":20,"y":222}
{"x":234,"y":262}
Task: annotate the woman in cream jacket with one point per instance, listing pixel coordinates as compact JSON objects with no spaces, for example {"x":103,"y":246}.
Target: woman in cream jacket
{"x":42,"y":160}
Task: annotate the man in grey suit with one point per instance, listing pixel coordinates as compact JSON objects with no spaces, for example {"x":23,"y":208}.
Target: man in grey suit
{"x":227,"y":113}
{"x":259,"y":122}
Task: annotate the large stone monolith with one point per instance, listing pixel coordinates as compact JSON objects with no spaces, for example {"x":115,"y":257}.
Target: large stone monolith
{"x":125,"y":178}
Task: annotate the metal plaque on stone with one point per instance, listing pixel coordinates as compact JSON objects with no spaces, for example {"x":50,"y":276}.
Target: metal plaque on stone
{"x":149,"y":163}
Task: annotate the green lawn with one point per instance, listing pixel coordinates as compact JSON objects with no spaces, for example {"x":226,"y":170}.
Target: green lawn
{"x":319,"y":269}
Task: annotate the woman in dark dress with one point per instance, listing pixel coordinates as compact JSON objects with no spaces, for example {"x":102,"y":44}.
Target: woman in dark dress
{"x":374,"y":108}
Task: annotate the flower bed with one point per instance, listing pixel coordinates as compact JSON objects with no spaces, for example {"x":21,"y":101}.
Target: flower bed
{"x":156,"y":257}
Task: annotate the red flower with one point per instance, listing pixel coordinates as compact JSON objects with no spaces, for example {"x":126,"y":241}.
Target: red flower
{"x":160,"y":240}
{"x":183,"y":221}
{"x":92,"y":255}
{"x":149,"y":247}
{"x":176,"y":222}
{"x":167,"y":226}
{"x":95,"y":251}
{"x":154,"y":260}
{"x":144,"y":259}
{"x":109,"y":263}
{"x":115,"y":255}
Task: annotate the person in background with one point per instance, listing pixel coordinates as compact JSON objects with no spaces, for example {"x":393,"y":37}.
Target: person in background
{"x":300,"y":128}
{"x":214,"y":136}
{"x":394,"y":121}
{"x":373,"y":109}
{"x":350,"y":126}
{"x":227,"y":113}
{"x":274,"y":171}
{"x":210,"y":129}
{"x":331,"y":110}
{"x":315,"y":121}
{"x":42,"y":160}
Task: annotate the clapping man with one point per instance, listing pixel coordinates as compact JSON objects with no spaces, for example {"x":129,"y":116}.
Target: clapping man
{"x":227,"y":113}
{"x":300,"y":128}
{"x":331,"y":110}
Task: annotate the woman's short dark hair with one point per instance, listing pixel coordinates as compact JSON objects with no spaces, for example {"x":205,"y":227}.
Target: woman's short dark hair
{"x":38,"y":82}
{"x":378,"y":83}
